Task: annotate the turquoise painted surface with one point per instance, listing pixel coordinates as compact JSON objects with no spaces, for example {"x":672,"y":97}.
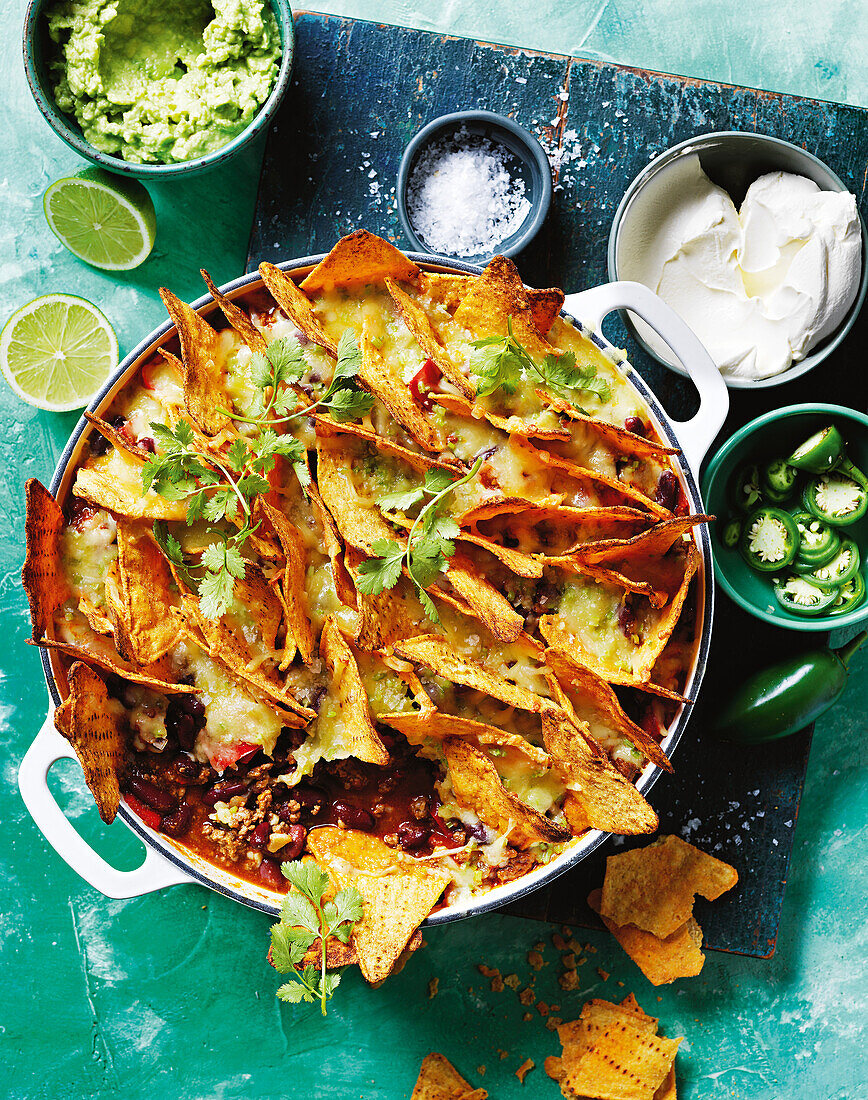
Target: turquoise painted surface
{"x":170,"y":995}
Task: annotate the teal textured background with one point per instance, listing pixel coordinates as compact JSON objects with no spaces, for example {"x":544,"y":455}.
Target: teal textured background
{"x":170,"y":995}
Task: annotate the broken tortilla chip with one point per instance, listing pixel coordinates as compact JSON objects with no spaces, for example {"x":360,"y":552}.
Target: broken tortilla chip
{"x":298,"y":625}
{"x":361,"y":737}
{"x":478,"y":787}
{"x":449,"y":290}
{"x":91,"y":722}
{"x":360,"y":257}
{"x":42,"y":573}
{"x":419,"y":325}
{"x":654,"y":887}
{"x":432,"y":651}
{"x":124,"y":497}
{"x":202,"y":373}
{"x":662,"y":961}
{"x":117,"y":439}
{"x":398,"y":893}
{"x":96,"y":652}
{"x":440,"y":1080}
{"x":599,"y":796}
{"x":236,"y":317}
{"x":417,"y":726}
{"x":496,"y":299}
{"x":139,"y":598}
{"x":296,"y":306}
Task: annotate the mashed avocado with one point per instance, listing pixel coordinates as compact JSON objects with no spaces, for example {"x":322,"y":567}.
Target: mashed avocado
{"x":156,"y":82}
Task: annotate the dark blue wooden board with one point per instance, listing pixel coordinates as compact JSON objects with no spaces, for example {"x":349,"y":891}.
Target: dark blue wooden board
{"x":359,"y":92}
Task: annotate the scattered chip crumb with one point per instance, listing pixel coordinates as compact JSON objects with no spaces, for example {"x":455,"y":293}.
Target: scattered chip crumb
{"x":539,"y":946}
{"x":553,"y":1023}
{"x":433,"y":988}
{"x":526,"y":996}
{"x":659,"y":998}
{"x":590,"y":949}
{"x":494,"y":974}
{"x":560,"y":943}
{"x":569,"y":960}
{"x":524,"y":1069}
{"x":512,"y":980}
{"x":604,"y":974}
{"x":621,"y":984}
{"x":542,"y":1008}
{"x":535,"y":960}
{"x":581,"y":960}
{"x":480,"y":1070}
{"x":569,"y":980}
{"x":503,"y":1053}
{"x":527,"y":1016}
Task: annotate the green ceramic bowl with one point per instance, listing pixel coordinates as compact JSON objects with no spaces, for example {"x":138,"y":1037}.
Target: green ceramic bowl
{"x":774,"y":434}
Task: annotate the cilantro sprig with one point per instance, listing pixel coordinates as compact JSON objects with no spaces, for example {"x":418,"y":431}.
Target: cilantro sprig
{"x":503,"y":362}
{"x":216,"y":488}
{"x":306,"y":917}
{"x":430,"y":543}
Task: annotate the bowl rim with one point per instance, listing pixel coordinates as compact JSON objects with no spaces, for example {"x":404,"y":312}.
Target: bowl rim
{"x":535,"y":153}
{"x":67,"y":129}
{"x":247,"y":893}
{"x":709,"y":478}
{"x":695,"y":144}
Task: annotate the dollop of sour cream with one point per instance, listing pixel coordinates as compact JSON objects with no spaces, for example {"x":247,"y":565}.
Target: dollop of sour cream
{"x":761,"y":286}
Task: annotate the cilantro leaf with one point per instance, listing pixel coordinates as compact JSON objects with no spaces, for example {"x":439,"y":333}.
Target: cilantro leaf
{"x":298,"y":911}
{"x":437,"y":480}
{"x":287,"y":950}
{"x":401,"y":500}
{"x":307,"y":877}
{"x":349,"y":357}
{"x":349,"y":403}
{"x":215,"y":594}
{"x":380,"y":572}
{"x":173,"y":552}
{"x":562,"y":376}
{"x":294,"y":993}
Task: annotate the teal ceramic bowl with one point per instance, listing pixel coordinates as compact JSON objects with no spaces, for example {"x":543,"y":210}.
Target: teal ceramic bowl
{"x":775,"y":434}
{"x":37,"y":51}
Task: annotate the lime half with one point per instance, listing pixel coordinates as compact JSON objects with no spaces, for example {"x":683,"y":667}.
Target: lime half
{"x":56,"y":352}
{"x":105,"y":220}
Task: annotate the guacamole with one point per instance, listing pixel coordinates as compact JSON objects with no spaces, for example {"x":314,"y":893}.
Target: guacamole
{"x":158,"y":83}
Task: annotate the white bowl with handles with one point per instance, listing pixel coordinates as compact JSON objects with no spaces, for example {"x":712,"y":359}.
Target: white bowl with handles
{"x":169,"y":863}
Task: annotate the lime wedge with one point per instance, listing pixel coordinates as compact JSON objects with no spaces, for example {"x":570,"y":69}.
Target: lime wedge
{"x":57,"y":352}
{"x":105,"y":220}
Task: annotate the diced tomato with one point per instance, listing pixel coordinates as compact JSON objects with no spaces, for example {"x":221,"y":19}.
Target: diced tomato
{"x":229,"y":755}
{"x":442,"y":835}
{"x":149,"y":369}
{"x":150,"y":818}
{"x":428,"y":375}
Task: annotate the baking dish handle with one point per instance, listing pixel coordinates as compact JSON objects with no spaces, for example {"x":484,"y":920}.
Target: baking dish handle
{"x":695,"y":435}
{"x":47,"y":748}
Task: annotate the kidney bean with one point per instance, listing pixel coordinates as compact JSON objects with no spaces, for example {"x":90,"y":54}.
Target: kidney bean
{"x":147,"y":444}
{"x":270,"y":873}
{"x":354,"y":817}
{"x":306,"y":796}
{"x":152,"y":795}
{"x":412,"y":835}
{"x":294,"y":847}
{"x":261,"y":834}
{"x":667,"y":490}
{"x":98,"y":444}
{"x":179,"y":821}
{"x":636,"y":425}
{"x":223,"y":791}
{"x":184,"y":769}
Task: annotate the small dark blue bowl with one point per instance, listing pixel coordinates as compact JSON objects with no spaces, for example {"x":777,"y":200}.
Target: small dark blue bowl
{"x":37,"y":51}
{"x":531,"y":165}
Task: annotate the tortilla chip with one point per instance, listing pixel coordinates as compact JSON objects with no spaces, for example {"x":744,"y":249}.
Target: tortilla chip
{"x":588,"y":698}
{"x":91,"y":723}
{"x":225,"y":647}
{"x":496,"y":298}
{"x":419,"y":325}
{"x":440,"y":1080}
{"x":511,"y":425}
{"x":619,"y":439}
{"x":116,"y":438}
{"x":203,"y":376}
{"x":42,"y":574}
{"x":398,"y":893}
{"x":237,"y":318}
{"x":99,"y":622}
{"x":357,"y":258}
{"x":626,"y":554}
{"x":421,"y":463}
{"x":545,"y":306}
{"x":298,"y":625}
{"x":359,"y":730}
{"x":432,"y":651}
{"x":95,"y":652}
{"x":490,"y":606}
{"x":384,"y":378}
{"x":600,"y":797}
{"x":667,"y":1090}
{"x":388,"y":617}
{"x":478,"y":787}
{"x":359,"y":525}
{"x":523,"y":565}
{"x":109,"y":492}
{"x":654,"y":887}
{"x":296,"y":306}
{"x":417,"y":726}
{"x":598,"y":1015}
{"x":139,"y":597}
{"x":552,"y":530}
{"x":661,"y":960}
{"x":449,"y":290}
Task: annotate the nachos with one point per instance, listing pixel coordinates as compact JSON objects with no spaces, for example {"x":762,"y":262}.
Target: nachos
{"x":387,"y":570}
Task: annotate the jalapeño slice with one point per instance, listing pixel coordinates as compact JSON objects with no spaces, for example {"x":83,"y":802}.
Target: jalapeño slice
{"x":820,"y":453}
{"x":745,"y":489}
{"x":777,"y":480}
{"x":800,"y":597}
{"x":841,"y":569}
{"x":849,"y":595}
{"x":731,"y":534}
{"x":819,"y":542}
{"x":770,"y":540}
{"x":835,"y":498}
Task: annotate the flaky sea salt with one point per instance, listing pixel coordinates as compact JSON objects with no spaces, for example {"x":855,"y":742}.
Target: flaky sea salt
{"x":461,"y":198}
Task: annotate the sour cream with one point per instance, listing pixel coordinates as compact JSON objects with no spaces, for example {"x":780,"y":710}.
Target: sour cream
{"x":761,"y":286}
